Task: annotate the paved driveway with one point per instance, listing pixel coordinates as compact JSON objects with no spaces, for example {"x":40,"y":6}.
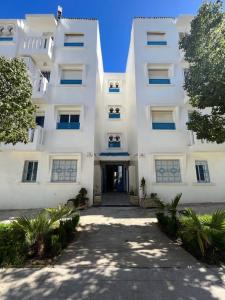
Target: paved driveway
{"x":120,"y":254}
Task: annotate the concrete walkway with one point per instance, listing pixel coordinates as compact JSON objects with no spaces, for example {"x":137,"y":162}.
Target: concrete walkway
{"x":120,"y":254}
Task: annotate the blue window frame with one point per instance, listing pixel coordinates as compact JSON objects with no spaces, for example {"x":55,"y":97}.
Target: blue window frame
{"x":163,"y":126}
{"x":202,"y":171}
{"x":67,"y":121}
{"x":157,"y":43}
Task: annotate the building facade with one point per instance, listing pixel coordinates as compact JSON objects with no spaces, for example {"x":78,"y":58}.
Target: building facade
{"x":105,"y":131}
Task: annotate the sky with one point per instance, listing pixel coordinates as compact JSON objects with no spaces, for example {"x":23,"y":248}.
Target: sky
{"x":115,"y":19}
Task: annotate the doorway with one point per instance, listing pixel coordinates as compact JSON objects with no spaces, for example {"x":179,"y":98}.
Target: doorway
{"x":114,"y":178}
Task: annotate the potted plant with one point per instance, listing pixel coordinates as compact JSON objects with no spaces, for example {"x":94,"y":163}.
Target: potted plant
{"x":133,"y":198}
{"x":80,"y":201}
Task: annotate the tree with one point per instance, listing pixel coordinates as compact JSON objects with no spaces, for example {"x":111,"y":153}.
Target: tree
{"x":204,"y":50}
{"x":16,"y":107}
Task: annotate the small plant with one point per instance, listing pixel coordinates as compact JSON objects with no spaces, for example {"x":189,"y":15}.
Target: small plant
{"x":142,"y":187}
{"x":132,"y":193}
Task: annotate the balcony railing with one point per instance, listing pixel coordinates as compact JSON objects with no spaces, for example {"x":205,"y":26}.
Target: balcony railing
{"x":35,"y":137}
{"x":159,"y":81}
{"x":114,"y":90}
{"x":77,"y":44}
{"x":71,"y":81}
{"x":114,"y":115}
{"x":114,"y":144}
{"x":157,"y":43}
{"x":38,"y":46}
{"x":163,"y":126}
{"x":72,"y":125}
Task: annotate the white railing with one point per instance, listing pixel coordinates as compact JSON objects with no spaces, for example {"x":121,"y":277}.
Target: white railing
{"x":31,"y":67}
{"x":39,"y":85}
{"x":37,"y":45}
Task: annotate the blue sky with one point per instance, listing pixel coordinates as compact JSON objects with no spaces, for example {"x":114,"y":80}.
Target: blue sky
{"x":115,"y":18}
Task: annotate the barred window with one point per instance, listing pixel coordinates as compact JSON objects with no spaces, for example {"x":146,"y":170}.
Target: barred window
{"x":202,"y":171}
{"x":64,"y":170}
{"x":167,"y":171}
{"x":30,"y":171}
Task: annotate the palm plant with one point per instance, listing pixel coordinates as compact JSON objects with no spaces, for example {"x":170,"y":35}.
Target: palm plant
{"x":206,"y":231}
{"x":170,"y":208}
{"x":37,"y":229}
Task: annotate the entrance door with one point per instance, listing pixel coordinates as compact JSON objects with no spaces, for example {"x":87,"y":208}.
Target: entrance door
{"x":114,"y":178}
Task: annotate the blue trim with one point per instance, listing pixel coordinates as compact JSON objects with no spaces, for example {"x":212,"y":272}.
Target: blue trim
{"x":71,"y":81}
{"x":73,"y":44}
{"x":159,"y":81}
{"x":157,"y":43}
{"x":164,"y":126}
{"x":114,"y":144}
{"x":114,"y":90}
{"x":114,"y":154}
{"x":114,"y":116}
{"x":6,"y":39}
{"x":64,"y":125}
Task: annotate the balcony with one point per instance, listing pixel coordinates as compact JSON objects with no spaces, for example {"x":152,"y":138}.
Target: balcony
{"x":39,"y":82}
{"x":196,"y":145}
{"x":39,"y":48}
{"x":114,"y":90}
{"x":114,"y":115}
{"x":114,"y":144}
{"x":35,"y":142}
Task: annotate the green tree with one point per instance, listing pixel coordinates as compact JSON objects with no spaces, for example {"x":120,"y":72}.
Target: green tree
{"x":204,"y":50}
{"x":16,"y":107}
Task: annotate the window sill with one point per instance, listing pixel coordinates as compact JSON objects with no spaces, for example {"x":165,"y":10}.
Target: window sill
{"x":63,"y":183}
{"x":68,"y":130}
{"x":160,"y":84}
{"x":203,"y":184}
{"x":70,"y":85}
{"x":157,"y":46}
{"x":170,"y":183}
{"x":28,"y":182}
{"x":74,"y":47}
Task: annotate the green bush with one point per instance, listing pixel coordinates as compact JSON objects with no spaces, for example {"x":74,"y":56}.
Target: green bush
{"x":204,"y":235}
{"x":13,"y":248}
{"x":168,"y":224}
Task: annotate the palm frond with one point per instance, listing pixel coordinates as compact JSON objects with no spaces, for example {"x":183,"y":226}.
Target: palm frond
{"x":218,"y":220}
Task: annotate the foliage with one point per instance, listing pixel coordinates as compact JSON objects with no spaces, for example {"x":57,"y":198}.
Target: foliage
{"x":81,"y":199}
{"x":16,"y":107}
{"x":13,"y":247}
{"x":205,"y":80}
{"x":167,"y":224}
{"x":37,"y":230}
{"x":203,"y":235}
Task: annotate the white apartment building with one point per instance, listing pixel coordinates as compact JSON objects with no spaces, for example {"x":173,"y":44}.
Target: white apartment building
{"x":105,"y":131}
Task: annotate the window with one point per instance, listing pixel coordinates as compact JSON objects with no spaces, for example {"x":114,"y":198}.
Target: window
{"x":163,"y":120}
{"x":74,"y":40}
{"x":158,"y":76}
{"x":167,"y":171}
{"x":202,"y":171}
{"x":114,"y":87}
{"x":46,"y":74}
{"x":69,"y":121}
{"x":64,"y":170}
{"x":114,"y":113}
{"x":156,"y":39}
{"x":40,"y":120}
{"x":71,"y":76}
{"x":6,"y":33}
{"x":114,"y":141}
{"x":30,"y":171}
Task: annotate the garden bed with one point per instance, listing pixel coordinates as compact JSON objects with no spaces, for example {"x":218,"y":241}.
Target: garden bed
{"x":203,"y":236}
{"x":37,"y":241}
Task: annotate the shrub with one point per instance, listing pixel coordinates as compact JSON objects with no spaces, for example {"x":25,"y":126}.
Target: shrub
{"x":167,"y":224}
{"x":13,"y":248}
{"x":81,"y":200}
{"x":204,"y":236}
